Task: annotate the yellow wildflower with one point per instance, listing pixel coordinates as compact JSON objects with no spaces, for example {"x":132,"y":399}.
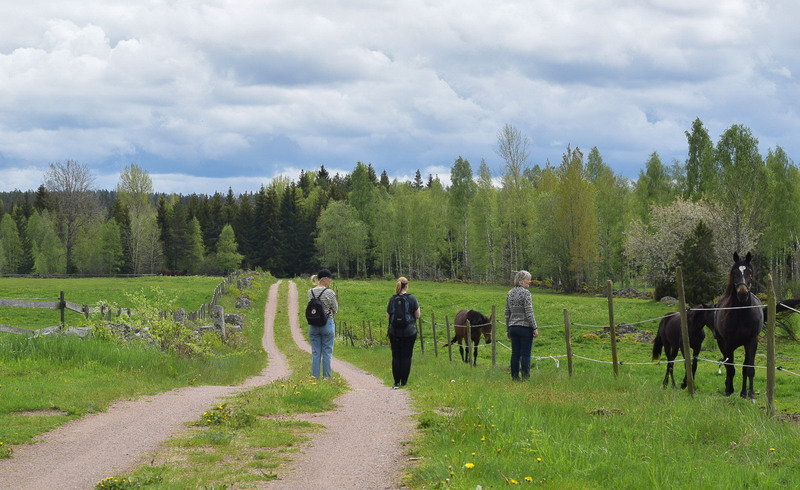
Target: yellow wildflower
{"x":529,"y":479}
{"x":469,"y":466}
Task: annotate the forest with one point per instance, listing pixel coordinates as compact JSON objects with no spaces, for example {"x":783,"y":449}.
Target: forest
{"x":573,"y":224}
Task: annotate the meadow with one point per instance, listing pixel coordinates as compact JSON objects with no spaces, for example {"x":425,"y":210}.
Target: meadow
{"x":52,"y":380}
{"x":476,"y":426}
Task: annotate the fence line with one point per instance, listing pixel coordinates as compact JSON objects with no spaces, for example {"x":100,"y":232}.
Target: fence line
{"x":200,"y":314}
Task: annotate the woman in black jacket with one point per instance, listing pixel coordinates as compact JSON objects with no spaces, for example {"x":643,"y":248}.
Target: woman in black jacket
{"x":402,"y":312}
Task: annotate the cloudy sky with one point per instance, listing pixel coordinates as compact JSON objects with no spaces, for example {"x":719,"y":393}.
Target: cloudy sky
{"x":231,"y":93}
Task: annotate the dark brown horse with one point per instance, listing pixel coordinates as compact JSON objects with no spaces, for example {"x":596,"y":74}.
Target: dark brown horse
{"x":479,"y":324}
{"x":669,"y":337}
{"x":737,"y":324}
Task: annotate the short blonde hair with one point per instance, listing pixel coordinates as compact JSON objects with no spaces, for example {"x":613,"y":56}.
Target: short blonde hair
{"x":521,"y":276}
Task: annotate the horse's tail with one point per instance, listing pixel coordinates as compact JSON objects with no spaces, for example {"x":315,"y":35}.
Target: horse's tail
{"x":451,"y":342}
{"x":657,"y":346}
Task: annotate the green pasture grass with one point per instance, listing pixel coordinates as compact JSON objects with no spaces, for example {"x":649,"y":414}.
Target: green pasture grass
{"x":258,"y":433}
{"x":595,"y":429}
{"x":189,"y":292}
{"x":54,"y":379}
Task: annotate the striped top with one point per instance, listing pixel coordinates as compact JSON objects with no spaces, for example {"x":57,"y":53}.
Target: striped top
{"x":519,"y":308}
{"x":328,"y":299}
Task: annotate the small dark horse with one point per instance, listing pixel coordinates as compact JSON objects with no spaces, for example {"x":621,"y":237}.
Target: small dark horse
{"x":479,"y":323}
{"x":740,"y":325}
{"x":669,"y":337}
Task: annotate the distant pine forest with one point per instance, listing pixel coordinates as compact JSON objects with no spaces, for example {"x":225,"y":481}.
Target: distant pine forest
{"x":573,"y":224}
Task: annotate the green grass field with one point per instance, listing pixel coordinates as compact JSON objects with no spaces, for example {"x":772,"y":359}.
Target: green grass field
{"x":189,"y":293}
{"x":476,"y":426}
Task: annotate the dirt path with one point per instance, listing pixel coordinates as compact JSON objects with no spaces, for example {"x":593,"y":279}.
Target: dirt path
{"x":82,"y":452}
{"x":360,"y":448}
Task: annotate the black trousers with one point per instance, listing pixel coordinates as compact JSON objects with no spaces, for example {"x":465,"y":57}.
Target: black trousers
{"x":402,"y":350}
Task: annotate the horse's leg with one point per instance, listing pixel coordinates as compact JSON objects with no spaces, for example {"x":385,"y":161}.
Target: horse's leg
{"x":695,"y":353}
{"x":672,"y":354}
{"x":749,"y":372}
{"x":730,"y":372}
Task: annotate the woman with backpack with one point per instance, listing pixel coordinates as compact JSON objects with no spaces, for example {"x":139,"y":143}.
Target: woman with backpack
{"x":321,"y":329}
{"x":402,"y":312}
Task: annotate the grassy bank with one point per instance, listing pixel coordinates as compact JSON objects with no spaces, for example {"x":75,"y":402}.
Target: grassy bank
{"x":47,"y":381}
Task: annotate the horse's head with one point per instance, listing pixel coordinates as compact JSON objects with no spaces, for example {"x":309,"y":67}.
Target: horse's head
{"x":741,"y":277}
{"x":479,"y":320}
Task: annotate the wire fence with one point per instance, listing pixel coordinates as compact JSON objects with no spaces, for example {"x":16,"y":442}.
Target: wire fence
{"x":425,"y":339}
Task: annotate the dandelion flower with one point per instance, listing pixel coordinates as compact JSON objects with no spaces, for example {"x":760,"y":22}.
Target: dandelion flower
{"x":514,"y":482}
{"x":483,"y":438}
{"x":539,"y":460}
{"x":469,"y":466}
{"x":529,"y":479}
{"x":771,"y":449}
{"x":472,"y":453}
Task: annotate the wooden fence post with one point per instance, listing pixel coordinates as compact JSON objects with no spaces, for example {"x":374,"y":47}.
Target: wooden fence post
{"x":433,"y":329}
{"x":449,"y":344}
{"x":371,"y":338}
{"x":771,"y":311}
{"x":568,"y":338}
{"x":494,"y":336}
{"x":421,"y":337}
{"x":62,"y":305}
{"x":614,"y":359}
{"x":687,"y":358}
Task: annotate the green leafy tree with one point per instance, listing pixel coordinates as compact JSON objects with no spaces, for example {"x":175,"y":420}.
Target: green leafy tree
{"x":516,"y":220}
{"x":49,"y":253}
{"x":483,"y":215}
{"x":701,"y":169}
{"x":460,"y":194}
{"x":742,"y":185}
{"x":228,"y":259}
{"x":576,"y":220}
{"x":195,"y":253}
{"x":11,"y":253}
{"x":342,"y":236}
{"x":612,"y":195}
{"x":70,"y":184}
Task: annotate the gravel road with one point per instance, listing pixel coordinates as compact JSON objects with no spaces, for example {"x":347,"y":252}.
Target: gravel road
{"x":360,"y":448}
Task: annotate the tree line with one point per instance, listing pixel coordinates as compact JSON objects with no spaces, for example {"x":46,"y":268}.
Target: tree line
{"x":573,"y":224}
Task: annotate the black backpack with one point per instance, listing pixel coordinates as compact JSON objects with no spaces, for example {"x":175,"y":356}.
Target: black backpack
{"x":315,"y":311}
{"x":400,"y":316}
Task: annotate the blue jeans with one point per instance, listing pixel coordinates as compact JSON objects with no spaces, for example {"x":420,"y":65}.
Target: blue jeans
{"x":321,"y":340}
{"x":521,"y":346}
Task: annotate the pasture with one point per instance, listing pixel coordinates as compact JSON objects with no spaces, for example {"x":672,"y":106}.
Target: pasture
{"x":477,"y":427}
{"x":189,"y":293}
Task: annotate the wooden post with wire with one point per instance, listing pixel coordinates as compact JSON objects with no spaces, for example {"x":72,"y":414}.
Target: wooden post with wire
{"x":433,"y":328}
{"x":568,"y":338}
{"x":494,"y":336}
{"x":687,"y":356}
{"x":614,"y":358}
{"x":771,"y":312}
{"x":449,"y":344}
{"x":421,"y":338}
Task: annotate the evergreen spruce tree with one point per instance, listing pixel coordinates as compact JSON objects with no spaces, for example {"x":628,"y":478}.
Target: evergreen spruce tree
{"x":700,"y":274}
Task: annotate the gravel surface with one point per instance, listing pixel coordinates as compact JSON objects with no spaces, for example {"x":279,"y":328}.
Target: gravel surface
{"x":360,"y":448}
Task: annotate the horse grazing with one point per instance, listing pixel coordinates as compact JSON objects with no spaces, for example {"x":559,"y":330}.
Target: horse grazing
{"x":739,"y":324}
{"x":669,"y":338}
{"x":479,"y":323}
